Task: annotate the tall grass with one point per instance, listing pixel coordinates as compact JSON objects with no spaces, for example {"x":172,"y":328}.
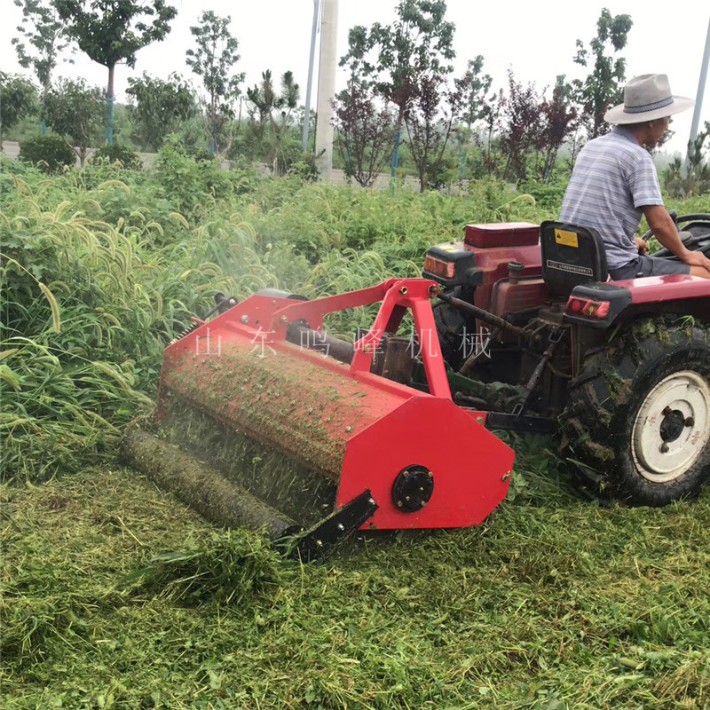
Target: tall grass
{"x":100,"y":268}
{"x":89,"y":305}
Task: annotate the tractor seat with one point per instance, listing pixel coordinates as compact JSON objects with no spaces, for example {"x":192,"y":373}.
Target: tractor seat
{"x":571,"y":255}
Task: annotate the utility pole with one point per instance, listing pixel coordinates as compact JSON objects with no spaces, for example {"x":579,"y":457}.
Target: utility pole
{"x":327,"y":66}
{"x":699,"y":97}
{"x":307,"y":108}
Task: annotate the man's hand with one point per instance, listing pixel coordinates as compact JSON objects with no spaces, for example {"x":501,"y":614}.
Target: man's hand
{"x":641,"y":245}
{"x":666,"y":232}
{"x":696,"y":258}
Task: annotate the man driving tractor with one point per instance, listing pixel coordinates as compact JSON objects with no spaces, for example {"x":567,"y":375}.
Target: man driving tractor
{"x":614,"y":183}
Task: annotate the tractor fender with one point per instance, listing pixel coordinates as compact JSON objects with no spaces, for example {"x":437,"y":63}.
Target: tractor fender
{"x":600,"y":305}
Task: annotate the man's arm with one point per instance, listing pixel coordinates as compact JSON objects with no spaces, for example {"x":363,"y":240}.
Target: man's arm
{"x":665,"y":230}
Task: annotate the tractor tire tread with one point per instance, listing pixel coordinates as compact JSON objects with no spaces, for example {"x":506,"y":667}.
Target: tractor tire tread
{"x":596,"y":423}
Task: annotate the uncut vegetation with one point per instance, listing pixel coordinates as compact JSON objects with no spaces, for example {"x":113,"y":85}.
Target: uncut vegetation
{"x":114,"y":595}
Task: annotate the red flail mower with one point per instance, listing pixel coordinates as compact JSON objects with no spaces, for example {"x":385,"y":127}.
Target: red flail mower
{"x":266,"y":420}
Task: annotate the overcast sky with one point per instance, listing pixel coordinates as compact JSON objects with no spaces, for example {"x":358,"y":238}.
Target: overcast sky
{"x":534,"y":38}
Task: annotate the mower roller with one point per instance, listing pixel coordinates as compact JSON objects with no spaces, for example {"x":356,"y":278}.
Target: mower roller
{"x":265,"y":421}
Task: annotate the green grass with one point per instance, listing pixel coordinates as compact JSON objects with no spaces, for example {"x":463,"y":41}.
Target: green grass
{"x":114,"y":595}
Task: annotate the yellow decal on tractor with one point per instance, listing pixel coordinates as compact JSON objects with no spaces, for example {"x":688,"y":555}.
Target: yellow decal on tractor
{"x":568,"y":239}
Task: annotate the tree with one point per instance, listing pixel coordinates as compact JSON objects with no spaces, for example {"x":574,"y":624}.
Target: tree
{"x":75,"y":111}
{"x":472,"y":87}
{"x":492,"y":115}
{"x":429,"y":121}
{"x":521,"y":129}
{"x":559,"y":121}
{"x":604,"y":86}
{"x":159,"y":107}
{"x":364,"y":132}
{"x":271,"y":117}
{"x":692,"y":177}
{"x":110,"y":32}
{"x":46,"y":39}
{"x":213,"y":60}
{"x":393,"y":56}
{"x":18,"y":98}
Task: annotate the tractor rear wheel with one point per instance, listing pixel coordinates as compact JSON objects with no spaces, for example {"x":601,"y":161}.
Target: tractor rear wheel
{"x":638,"y":416}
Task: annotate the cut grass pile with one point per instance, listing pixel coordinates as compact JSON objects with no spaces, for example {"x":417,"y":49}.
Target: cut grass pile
{"x":114,"y":595}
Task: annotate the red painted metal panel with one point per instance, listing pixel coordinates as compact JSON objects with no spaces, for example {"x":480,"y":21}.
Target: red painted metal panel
{"x":469,"y":464}
{"x":655,"y":289}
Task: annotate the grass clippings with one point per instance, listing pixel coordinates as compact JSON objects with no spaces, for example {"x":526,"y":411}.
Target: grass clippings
{"x":116,"y":596}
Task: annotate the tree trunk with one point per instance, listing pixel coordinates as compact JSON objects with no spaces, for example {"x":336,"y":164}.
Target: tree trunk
{"x":109,"y":101}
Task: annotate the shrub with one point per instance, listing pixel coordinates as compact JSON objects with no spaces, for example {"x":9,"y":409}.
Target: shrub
{"x":50,"y":153}
{"x":117,"y":153}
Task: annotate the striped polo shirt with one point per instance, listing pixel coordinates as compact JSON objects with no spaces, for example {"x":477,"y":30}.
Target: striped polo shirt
{"x":612,"y":179}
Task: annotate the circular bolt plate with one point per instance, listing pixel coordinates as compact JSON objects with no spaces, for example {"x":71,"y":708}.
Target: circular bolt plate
{"x":412,"y":488}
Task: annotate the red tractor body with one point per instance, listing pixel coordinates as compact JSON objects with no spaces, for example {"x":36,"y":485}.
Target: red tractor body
{"x":622,"y":368}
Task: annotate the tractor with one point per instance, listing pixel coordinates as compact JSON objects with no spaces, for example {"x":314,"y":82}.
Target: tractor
{"x":619,"y":369}
{"x":266,"y":420}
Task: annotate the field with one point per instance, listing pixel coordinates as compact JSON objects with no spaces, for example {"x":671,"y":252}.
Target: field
{"x":114,"y":595}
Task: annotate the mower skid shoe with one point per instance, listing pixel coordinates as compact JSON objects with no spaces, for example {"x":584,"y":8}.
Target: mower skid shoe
{"x":320,"y":541}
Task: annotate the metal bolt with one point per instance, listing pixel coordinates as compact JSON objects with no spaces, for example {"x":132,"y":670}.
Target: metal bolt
{"x":244,"y":319}
{"x":664,"y":448}
{"x":319,"y":543}
{"x":506,"y":476}
{"x":341,"y":527}
{"x":422,"y":503}
{"x":689,"y":421}
{"x":403,"y":290}
{"x":666,"y":411}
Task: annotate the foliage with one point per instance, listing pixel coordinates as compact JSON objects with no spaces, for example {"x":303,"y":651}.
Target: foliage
{"x":364,"y":132}
{"x":117,"y":153}
{"x":429,"y":122}
{"x":692,"y":177}
{"x":103,"y":266}
{"x":190,"y":183}
{"x":270,"y":119}
{"x":603,"y":86}
{"x":213,"y":60}
{"x":559,"y":122}
{"x":522,"y":127}
{"x":392,"y":57}
{"x":112,"y":31}
{"x":50,"y":153}
{"x":18,"y":98}
{"x":47,"y":37}
{"x":159,"y":108}
{"x":75,"y":111}
{"x":472,"y":88}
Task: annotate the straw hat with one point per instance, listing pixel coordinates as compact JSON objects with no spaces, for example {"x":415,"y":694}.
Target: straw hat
{"x":646,"y":98}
